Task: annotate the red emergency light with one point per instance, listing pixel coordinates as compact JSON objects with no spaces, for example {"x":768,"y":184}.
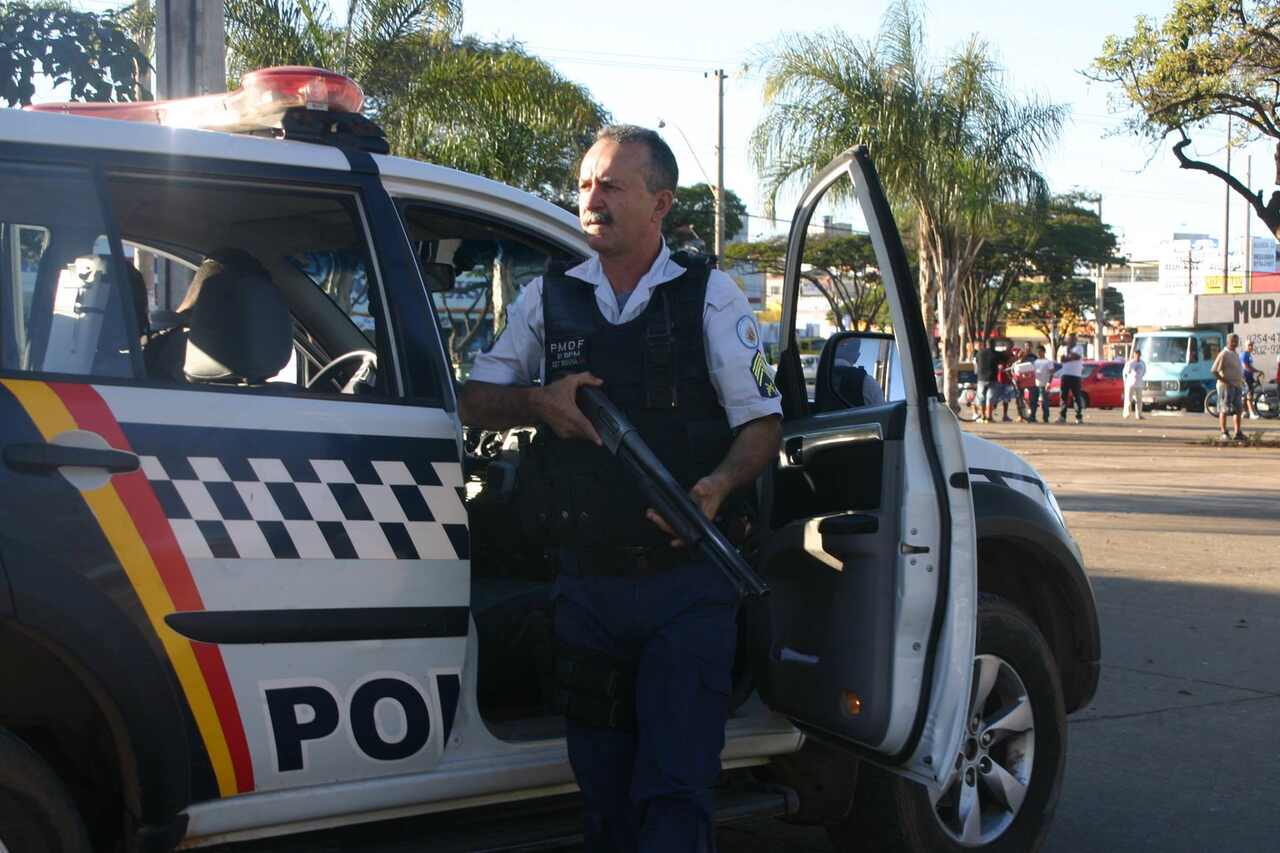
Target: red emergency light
{"x":259,"y":103}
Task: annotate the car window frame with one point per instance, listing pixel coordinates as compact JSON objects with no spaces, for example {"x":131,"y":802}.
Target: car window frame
{"x":564,"y":252}
{"x":93,"y":171}
{"x":422,"y":382}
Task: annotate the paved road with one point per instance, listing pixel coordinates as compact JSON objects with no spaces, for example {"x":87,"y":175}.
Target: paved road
{"x":1180,"y":752}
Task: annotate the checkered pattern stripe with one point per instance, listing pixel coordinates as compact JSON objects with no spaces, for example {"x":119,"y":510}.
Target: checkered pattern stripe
{"x":311,"y":509}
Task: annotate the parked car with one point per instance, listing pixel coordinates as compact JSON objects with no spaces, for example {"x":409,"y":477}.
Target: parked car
{"x":1101,"y":385}
{"x":255,"y":578}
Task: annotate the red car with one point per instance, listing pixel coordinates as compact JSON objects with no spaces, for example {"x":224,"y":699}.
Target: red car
{"x":1102,"y":385}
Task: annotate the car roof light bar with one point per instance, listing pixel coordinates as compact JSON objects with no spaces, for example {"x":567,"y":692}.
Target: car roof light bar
{"x":259,"y":104}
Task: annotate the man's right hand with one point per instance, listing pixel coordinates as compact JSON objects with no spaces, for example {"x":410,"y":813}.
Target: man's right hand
{"x":556,"y":405}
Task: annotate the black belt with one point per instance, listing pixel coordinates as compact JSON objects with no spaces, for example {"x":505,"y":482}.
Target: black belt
{"x":624,"y":561}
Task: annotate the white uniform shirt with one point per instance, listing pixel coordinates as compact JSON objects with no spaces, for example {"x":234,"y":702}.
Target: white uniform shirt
{"x":1076,"y":367}
{"x":732,"y":338}
{"x":1133,"y":372}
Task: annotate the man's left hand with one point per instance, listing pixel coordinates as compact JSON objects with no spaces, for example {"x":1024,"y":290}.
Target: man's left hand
{"x":708,"y":493}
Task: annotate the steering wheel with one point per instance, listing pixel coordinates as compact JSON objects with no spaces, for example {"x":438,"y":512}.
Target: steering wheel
{"x":368,"y":361}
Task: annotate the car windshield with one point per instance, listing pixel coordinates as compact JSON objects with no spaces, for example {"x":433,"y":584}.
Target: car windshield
{"x":1164,"y":349}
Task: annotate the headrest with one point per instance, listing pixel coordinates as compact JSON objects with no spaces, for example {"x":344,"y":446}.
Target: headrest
{"x":239,"y":328}
{"x":138,"y":297}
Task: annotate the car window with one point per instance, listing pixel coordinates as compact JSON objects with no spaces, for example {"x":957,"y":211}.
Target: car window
{"x":297,"y":291}
{"x":1209,"y":348}
{"x":1087,"y":370}
{"x":492,"y":263}
{"x":66,"y":304}
{"x":1112,"y":371}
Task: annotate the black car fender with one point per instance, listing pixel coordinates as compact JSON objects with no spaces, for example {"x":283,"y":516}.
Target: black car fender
{"x":82,"y":647}
{"x":1026,"y":556}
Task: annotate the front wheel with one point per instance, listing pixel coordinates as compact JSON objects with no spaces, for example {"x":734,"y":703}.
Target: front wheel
{"x":1210,"y":404}
{"x":1007,"y":777}
{"x":1267,"y":402}
{"x":968,"y":405}
{"x":37,"y":815}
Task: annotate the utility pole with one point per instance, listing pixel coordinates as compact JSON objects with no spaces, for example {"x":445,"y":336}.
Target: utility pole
{"x":720,"y":235}
{"x":1248,"y":229}
{"x":191,"y":48}
{"x":1226,"y":218}
{"x":191,"y":59}
{"x":1099,"y":293}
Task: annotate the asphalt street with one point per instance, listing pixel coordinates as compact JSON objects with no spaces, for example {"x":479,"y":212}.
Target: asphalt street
{"x":1180,"y":751}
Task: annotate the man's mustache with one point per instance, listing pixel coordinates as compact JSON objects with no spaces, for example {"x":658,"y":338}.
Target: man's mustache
{"x":601,"y":218}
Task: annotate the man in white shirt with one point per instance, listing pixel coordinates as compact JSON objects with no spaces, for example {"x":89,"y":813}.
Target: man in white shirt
{"x":1134,"y":369}
{"x":1072,"y":359}
{"x":1045,"y":368}
{"x":677,"y":349}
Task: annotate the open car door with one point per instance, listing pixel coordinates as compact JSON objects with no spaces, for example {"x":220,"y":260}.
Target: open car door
{"x":870,"y":551}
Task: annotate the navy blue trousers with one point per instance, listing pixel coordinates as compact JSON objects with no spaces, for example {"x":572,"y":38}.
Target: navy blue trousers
{"x":650,"y":790}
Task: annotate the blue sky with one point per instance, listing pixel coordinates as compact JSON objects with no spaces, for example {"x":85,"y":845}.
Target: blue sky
{"x":647,"y":61}
{"x":648,"y":64}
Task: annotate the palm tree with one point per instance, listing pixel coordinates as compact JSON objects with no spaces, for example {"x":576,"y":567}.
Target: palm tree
{"x":950,"y":143}
{"x":490,"y":109}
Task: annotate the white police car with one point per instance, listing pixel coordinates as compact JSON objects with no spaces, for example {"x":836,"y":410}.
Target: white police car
{"x":254,"y":582}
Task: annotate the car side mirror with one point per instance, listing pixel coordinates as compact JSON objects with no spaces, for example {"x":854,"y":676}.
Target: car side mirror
{"x":439,"y":278}
{"x":848,"y":360}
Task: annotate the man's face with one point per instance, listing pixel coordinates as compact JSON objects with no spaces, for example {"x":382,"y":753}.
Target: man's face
{"x":1071,"y":340}
{"x":615,"y":207}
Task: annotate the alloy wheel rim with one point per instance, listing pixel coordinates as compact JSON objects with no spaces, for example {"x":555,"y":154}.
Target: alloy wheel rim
{"x":992,"y":771}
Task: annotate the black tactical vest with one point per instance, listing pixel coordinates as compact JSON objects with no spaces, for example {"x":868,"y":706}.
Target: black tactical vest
{"x":654,"y":368}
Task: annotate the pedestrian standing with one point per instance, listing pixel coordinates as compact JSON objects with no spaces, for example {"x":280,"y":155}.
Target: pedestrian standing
{"x":1134,"y":369}
{"x":1024,"y":377}
{"x":986,"y":364}
{"x":1229,"y":371}
{"x":1072,"y":359}
{"x":1250,"y":380}
{"x":645,"y":628}
{"x":1045,"y":368}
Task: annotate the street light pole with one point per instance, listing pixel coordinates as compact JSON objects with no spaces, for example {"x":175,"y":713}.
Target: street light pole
{"x":720,"y":235}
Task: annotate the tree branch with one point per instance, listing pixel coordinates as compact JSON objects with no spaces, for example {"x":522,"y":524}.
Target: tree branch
{"x":1269,"y":213}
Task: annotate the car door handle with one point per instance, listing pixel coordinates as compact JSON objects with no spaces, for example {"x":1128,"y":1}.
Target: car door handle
{"x":47,"y":457}
{"x":852,"y":524}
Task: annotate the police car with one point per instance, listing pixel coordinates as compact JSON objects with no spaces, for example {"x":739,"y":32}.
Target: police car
{"x":256,"y":581}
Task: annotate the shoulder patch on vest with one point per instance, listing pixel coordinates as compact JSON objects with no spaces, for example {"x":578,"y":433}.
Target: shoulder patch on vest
{"x":748,"y":332}
{"x":764,"y":378}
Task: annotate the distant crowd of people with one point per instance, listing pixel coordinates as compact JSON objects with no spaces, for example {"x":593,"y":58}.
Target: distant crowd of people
{"x":1022,"y":375}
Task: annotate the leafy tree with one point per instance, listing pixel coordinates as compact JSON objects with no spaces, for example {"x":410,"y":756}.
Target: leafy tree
{"x":1054,"y":308}
{"x":1206,"y":60}
{"x":1066,"y":239}
{"x":695,"y":208}
{"x":949,"y":141}
{"x":1003,"y":263}
{"x":90,"y":51}
{"x":841,"y":268}
{"x":490,"y":109}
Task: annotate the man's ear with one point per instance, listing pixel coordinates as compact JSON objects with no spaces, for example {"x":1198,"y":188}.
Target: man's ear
{"x":663,"y":200}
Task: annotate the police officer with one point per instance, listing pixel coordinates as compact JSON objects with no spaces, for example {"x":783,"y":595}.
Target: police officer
{"x":645,"y":628}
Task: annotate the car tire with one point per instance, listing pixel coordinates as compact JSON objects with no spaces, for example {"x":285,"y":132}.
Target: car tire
{"x":1196,"y":401}
{"x":897,"y":815}
{"x":37,"y":815}
{"x":1209,"y":405}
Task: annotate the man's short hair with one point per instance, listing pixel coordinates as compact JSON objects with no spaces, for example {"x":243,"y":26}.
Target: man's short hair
{"x":1233,"y":339}
{"x":663,"y":173}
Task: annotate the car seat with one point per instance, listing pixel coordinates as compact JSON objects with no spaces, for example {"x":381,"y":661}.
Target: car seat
{"x":239,"y":331}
